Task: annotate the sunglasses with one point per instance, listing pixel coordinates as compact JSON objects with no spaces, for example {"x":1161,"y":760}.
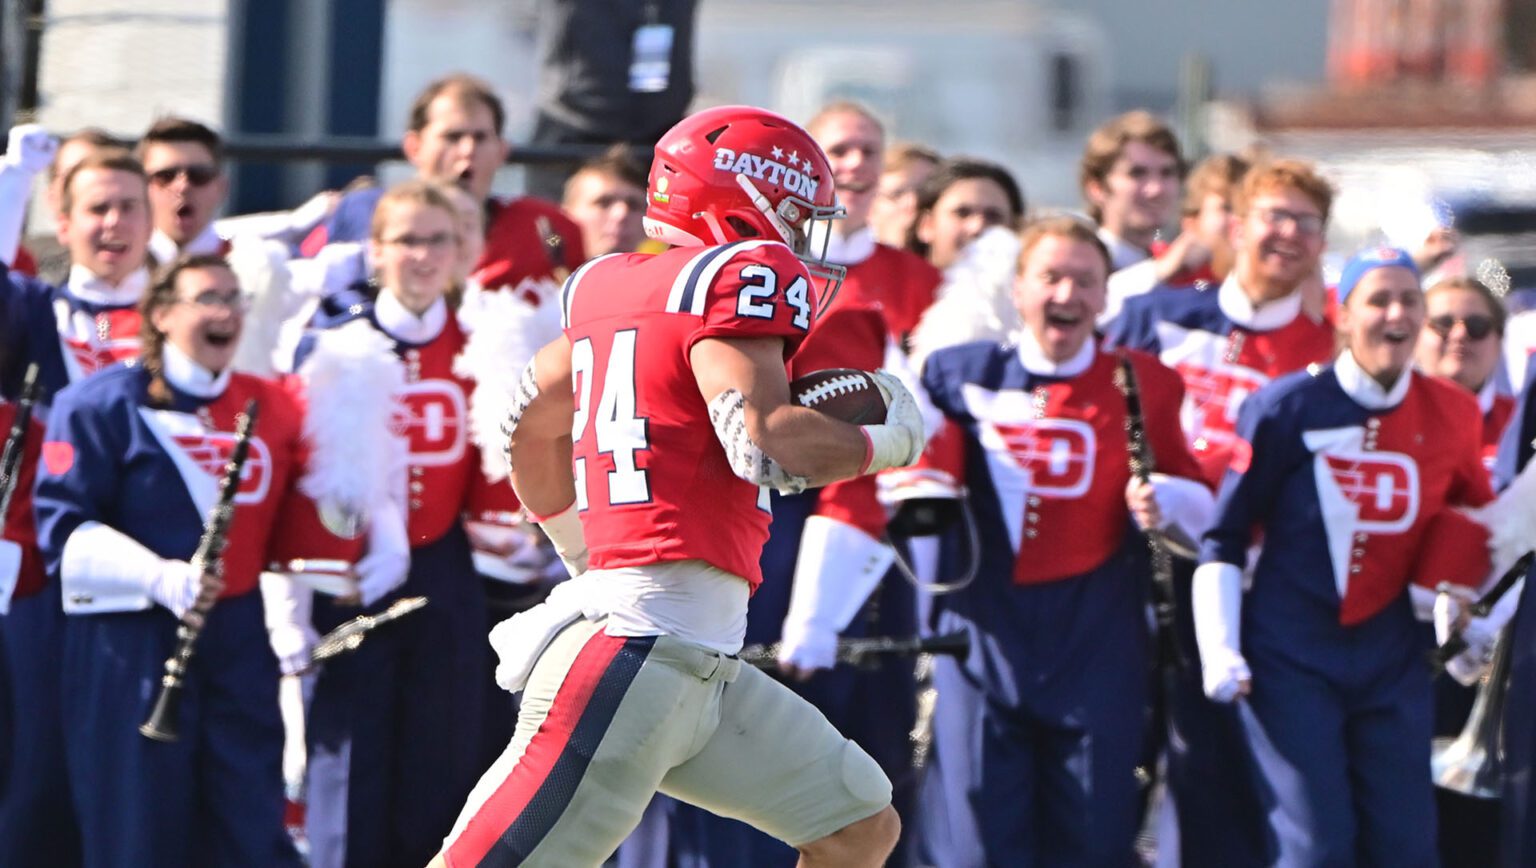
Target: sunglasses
{"x":197,"y":175}
{"x":1478,"y":326}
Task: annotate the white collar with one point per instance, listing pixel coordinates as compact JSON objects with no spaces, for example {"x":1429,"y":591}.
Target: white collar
{"x":851,"y":249}
{"x":1033,"y":358}
{"x":1486,"y":394}
{"x":1364,"y":389}
{"x":89,"y":288}
{"x":190,"y":377}
{"x":166,"y":250}
{"x":1122,"y":253}
{"x":402,"y":325}
{"x":1238,"y":307}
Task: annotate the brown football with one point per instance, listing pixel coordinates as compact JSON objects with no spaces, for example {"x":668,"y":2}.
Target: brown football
{"x":842,"y":393}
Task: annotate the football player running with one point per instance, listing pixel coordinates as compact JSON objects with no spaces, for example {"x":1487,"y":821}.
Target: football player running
{"x":645,"y":443}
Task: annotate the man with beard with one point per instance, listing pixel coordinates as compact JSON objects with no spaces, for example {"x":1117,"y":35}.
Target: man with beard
{"x":1226,"y":342}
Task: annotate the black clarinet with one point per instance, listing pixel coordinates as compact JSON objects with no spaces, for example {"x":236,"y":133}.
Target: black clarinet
{"x":861,"y":652}
{"x":1169,"y":660}
{"x":16,"y":442}
{"x":1143,"y":463}
{"x":163,"y":720}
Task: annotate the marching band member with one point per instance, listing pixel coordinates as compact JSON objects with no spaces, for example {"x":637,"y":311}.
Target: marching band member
{"x":1463,"y":330}
{"x":1340,"y":470}
{"x":70,"y":331}
{"x":23,"y":826}
{"x":1517,"y":823}
{"x":395,"y":729}
{"x":129,"y":472}
{"x":1037,"y":735}
{"x":1463,"y":327}
{"x":1226,"y":341}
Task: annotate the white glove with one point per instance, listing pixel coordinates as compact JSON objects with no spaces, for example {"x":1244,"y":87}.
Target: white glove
{"x":570,"y":541}
{"x":1217,"y":597}
{"x":176,"y":586}
{"x":286,"y":607}
{"x":388,"y":561}
{"x":808,"y":646}
{"x":30,"y":148}
{"x":838,"y":567}
{"x":899,"y":441}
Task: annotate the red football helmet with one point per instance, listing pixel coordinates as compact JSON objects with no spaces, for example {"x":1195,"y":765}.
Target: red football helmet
{"x":736,"y":173}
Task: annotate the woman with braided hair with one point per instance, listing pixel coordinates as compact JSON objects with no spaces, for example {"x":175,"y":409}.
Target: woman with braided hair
{"x":132,"y":463}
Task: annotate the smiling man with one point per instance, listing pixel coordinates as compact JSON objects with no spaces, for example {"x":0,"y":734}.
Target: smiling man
{"x":1228,"y":342}
{"x":70,"y":330}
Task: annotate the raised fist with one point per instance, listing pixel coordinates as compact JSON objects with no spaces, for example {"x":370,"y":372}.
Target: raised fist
{"x":31,"y":148}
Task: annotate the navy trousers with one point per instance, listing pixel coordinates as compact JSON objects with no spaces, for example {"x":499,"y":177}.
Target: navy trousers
{"x":394,"y":729}
{"x":37,"y":816}
{"x":1342,"y":764}
{"x":213,"y":797}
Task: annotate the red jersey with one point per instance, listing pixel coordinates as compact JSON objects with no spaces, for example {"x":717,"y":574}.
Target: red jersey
{"x":652,"y":481}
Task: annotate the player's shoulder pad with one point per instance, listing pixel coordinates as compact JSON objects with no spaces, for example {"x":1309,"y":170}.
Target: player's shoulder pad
{"x":718,"y":270}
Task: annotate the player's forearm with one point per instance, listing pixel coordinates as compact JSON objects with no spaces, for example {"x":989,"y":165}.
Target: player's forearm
{"x":541,"y":474}
{"x":810,"y":444}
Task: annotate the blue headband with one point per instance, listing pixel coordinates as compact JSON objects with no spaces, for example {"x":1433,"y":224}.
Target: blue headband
{"x":1369,"y":260}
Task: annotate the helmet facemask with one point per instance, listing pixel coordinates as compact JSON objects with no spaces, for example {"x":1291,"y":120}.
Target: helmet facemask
{"x":807,"y":229}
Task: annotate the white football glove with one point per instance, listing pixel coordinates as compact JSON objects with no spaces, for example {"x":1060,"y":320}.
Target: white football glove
{"x":899,"y":440}
{"x":30,"y":148}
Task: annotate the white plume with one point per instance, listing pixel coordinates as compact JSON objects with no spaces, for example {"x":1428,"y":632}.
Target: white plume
{"x":261,"y":267}
{"x":1511,"y":521}
{"x":353,"y":380}
{"x":504,"y":333}
{"x":975,"y":301}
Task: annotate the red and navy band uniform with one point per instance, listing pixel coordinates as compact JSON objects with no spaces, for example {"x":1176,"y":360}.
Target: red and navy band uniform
{"x":1340,"y":705}
{"x":394,"y":730}
{"x":881,"y":298}
{"x":1517,"y":822}
{"x":29,"y":830}
{"x":632,"y":320}
{"x":1221,"y":361}
{"x":214,"y":796}
{"x":69,"y":339}
{"x":1037,"y":734}
{"x":515,"y":248}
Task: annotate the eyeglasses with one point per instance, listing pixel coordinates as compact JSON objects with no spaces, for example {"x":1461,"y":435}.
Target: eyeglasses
{"x":1478,"y":325}
{"x":198,"y":175}
{"x":1279,"y":218}
{"x":211,"y":301}
{"x":434,"y":242}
